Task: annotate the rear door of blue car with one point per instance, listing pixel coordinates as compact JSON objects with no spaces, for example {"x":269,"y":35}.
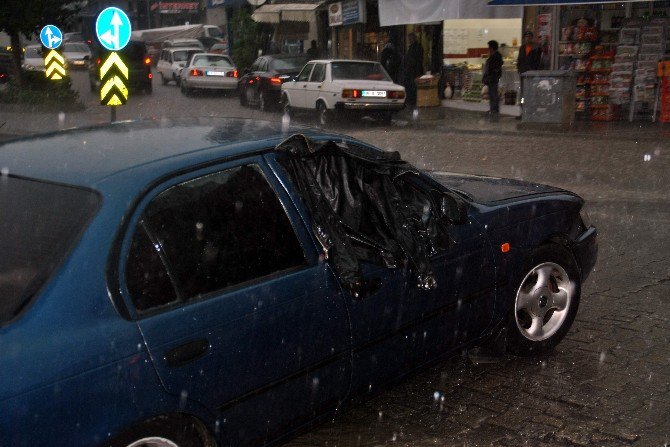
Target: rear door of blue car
{"x":236,"y":309}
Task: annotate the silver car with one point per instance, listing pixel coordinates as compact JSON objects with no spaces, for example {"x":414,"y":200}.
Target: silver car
{"x":77,"y":54}
{"x":209,"y":71}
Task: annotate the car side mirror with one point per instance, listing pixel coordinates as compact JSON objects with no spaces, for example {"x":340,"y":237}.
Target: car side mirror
{"x":454,"y":209}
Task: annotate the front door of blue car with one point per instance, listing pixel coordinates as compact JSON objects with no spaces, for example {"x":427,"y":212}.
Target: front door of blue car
{"x":236,"y":309}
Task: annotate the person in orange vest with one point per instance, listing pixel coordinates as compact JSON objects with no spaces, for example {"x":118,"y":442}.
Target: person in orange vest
{"x":530,"y":58}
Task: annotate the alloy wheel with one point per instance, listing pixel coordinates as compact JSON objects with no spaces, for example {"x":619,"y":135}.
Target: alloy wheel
{"x":543,"y":301}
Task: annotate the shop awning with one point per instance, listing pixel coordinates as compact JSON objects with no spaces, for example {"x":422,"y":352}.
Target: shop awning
{"x":409,"y":12}
{"x":291,"y":12}
{"x":555,"y":2}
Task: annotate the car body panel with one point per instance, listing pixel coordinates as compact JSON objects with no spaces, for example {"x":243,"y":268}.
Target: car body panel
{"x":33,"y":58}
{"x":258,"y":79}
{"x":170,"y":65}
{"x":282,"y":350}
{"x":218,"y":77}
{"x":306,"y":93}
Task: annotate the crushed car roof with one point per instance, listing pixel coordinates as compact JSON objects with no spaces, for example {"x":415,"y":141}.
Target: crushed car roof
{"x":88,"y":155}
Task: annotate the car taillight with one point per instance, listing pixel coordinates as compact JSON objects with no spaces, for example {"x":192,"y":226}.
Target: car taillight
{"x":151,"y":76}
{"x":275,"y":81}
{"x":98,"y":61}
{"x":147,"y":61}
{"x":196,"y":72}
{"x":348,"y":93}
{"x":232,"y":74}
{"x":396,"y":94}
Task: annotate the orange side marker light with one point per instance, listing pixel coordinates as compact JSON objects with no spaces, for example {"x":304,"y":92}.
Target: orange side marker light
{"x":505,"y":247}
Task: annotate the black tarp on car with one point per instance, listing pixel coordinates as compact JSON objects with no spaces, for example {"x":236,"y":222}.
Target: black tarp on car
{"x":366,"y":206}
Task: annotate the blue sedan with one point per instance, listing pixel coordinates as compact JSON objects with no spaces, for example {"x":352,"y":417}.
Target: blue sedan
{"x":231,"y":283}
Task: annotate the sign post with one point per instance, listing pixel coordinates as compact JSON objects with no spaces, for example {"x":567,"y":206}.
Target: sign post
{"x":112,"y":28}
{"x":54,"y":63}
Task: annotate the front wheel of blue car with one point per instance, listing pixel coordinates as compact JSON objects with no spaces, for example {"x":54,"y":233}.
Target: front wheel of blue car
{"x":546,"y":301}
{"x":166,"y":432}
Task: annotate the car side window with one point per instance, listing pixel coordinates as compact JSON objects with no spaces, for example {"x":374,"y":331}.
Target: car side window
{"x":264,"y":65}
{"x":318,"y":74}
{"x":304,"y":74}
{"x":212,"y":232}
{"x":255,"y":65}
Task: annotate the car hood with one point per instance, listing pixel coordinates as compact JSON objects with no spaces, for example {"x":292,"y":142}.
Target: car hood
{"x":485,"y":189}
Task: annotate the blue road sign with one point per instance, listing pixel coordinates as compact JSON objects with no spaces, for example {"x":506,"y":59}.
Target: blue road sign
{"x":113,"y":29}
{"x":51,"y":37}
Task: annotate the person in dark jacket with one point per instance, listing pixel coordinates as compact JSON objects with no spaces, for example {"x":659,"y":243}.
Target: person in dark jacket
{"x":412,"y":68}
{"x":313,"y":51}
{"x":391,"y":60}
{"x":492,"y":74}
{"x":530,"y":58}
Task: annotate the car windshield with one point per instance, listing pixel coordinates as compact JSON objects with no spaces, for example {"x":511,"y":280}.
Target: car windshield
{"x":40,"y":221}
{"x":33,"y":52}
{"x":183,"y":55}
{"x":370,"y":71}
{"x":75,"y":48}
{"x":289,"y":63}
{"x":210,"y":61}
{"x":214,"y":32}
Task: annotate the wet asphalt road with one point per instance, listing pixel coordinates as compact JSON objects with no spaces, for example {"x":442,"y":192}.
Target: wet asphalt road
{"x":607,"y":384}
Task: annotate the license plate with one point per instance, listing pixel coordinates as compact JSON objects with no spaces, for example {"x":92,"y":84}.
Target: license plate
{"x":216,"y":73}
{"x":375,"y":93}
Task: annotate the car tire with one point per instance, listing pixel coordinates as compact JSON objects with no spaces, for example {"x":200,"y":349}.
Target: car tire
{"x":546,"y":298}
{"x":164,"y":80}
{"x":262,"y":106}
{"x":184,"y":89}
{"x":286,"y":107}
{"x":148,"y":88}
{"x":386,"y":117}
{"x":243,"y":96}
{"x":176,"y":80}
{"x":164,"y":433}
{"x":323,"y":114}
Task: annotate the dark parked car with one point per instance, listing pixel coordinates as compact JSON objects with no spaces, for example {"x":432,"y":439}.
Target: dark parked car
{"x":5,"y":65}
{"x":136,"y":58}
{"x":261,"y":84}
{"x":195,"y":284}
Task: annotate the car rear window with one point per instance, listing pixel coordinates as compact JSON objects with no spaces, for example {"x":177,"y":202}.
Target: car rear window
{"x":358,"y":70}
{"x":40,"y":221}
{"x":211,"y":61}
{"x":290,"y":63}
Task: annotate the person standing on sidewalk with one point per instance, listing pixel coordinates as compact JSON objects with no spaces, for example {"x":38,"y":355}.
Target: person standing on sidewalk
{"x":530,"y":58}
{"x":492,"y":74}
{"x":412,"y":68}
{"x":391,"y":59}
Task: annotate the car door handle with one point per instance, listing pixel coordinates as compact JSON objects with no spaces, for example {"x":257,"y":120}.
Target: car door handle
{"x":187,"y":352}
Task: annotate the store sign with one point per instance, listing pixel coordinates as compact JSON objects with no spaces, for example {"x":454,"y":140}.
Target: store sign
{"x":346,"y":12}
{"x":555,"y":2}
{"x":335,"y":14}
{"x":175,"y":7}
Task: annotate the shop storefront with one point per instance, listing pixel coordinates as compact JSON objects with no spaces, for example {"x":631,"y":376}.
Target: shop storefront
{"x":613,"y":49}
{"x":175,"y":13}
{"x":454,"y":36}
{"x":295,"y":24}
{"x":355,"y":32}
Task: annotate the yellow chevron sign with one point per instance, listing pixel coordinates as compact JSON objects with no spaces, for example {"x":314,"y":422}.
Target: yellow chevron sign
{"x":55,"y":65}
{"x":113,"y":79}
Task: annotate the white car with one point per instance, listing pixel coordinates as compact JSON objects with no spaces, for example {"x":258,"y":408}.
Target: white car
{"x":77,"y":54}
{"x":331,"y":87}
{"x":209,"y":71}
{"x":33,"y":59}
{"x":172,"y":60}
